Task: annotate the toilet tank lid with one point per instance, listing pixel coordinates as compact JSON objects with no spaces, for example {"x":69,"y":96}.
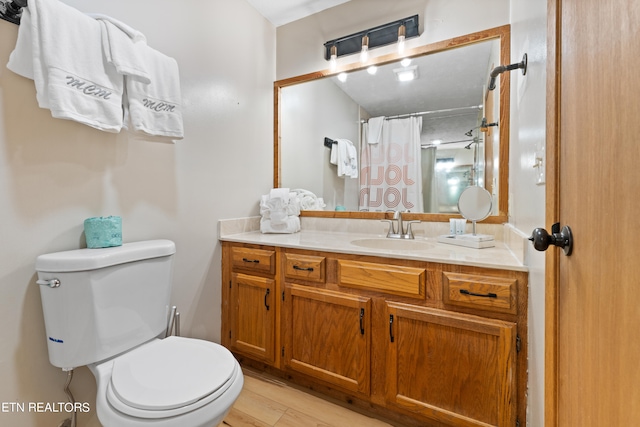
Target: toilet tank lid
{"x":92,"y":259}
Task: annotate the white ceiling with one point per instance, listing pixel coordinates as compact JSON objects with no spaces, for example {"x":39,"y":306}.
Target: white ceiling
{"x":280,"y":12}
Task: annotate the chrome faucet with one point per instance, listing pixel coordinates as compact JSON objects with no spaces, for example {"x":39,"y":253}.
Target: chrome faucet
{"x":399,"y":225}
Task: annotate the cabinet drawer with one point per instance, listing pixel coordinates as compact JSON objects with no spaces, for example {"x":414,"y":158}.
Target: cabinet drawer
{"x":392,"y":279}
{"x":253,"y":259}
{"x":481,"y":292}
{"x":305,"y":267}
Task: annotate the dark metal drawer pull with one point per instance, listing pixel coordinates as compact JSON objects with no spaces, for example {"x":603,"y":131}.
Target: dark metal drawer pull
{"x":391,"y":327}
{"x":295,"y":267}
{"x":362,"y":321}
{"x":473,"y":294}
{"x":265,"y":298}
{"x":256,"y":261}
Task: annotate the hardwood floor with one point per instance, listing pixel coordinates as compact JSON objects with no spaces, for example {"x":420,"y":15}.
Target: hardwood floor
{"x":269,"y":402}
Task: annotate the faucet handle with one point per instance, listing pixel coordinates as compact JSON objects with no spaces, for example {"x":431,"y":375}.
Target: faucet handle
{"x":392,"y":226}
{"x":409,"y":232}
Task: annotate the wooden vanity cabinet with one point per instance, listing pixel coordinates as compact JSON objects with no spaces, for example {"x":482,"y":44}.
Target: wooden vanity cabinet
{"x":250,"y":302}
{"x":328,"y":336}
{"x":453,"y":368}
{"x":426,"y":344}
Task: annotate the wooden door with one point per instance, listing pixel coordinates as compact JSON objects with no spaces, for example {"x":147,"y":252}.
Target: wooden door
{"x":253,"y":331}
{"x":328,"y":336}
{"x":456,"y":369}
{"x":593,"y":174}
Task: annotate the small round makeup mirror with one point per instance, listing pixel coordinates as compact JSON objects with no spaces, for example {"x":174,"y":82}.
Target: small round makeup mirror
{"x":475,"y":204}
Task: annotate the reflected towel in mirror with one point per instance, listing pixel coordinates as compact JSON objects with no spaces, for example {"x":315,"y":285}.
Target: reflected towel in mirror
{"x":374,"y":129}
{"x":345,"y":156}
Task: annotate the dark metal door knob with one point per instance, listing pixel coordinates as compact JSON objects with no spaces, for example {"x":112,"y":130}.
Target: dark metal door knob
{"x":562,"y":238}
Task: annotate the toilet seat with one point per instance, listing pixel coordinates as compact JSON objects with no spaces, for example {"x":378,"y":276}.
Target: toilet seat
{"x":169,"y":377}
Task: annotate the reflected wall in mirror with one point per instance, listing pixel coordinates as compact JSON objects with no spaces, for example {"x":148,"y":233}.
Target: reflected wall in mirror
{"x":417,"y":144}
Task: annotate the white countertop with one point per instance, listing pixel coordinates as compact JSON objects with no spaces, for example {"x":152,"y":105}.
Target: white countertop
{"x":497,"y":257}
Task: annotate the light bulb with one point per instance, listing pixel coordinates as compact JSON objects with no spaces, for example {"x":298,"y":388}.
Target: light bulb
{"x":364,"y":53}
{"x":401,"y":37}
{"x":333,"y":62}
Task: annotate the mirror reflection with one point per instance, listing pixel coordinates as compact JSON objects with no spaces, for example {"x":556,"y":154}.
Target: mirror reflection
{"x":404,"y":135}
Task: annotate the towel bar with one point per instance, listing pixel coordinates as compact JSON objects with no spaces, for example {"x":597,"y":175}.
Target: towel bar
{"x":11,"y":10}
{"x":329,"y":142}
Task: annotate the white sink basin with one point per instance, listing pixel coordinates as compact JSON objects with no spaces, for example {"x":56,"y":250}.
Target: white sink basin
{"x":393,"y":244}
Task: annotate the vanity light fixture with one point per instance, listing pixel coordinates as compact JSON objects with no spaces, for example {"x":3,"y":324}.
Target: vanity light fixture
{"x":372,"y":38}
{"x":342,"y":77}
{"x":372,"y":70}
{"x":333,"y":61}
{"x":405,"y":62}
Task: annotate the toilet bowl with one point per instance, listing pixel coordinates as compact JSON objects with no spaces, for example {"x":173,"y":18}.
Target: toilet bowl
{"x":108,"y":309}
{"x":170,"y":382}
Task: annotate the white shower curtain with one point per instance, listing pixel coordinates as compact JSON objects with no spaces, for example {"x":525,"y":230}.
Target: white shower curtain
{"x":390,"y":171}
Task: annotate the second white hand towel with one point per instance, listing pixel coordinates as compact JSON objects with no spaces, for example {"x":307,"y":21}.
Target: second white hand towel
{"x":156,"y":108}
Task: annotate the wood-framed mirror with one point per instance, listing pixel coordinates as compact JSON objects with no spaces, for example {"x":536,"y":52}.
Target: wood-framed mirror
{"x":458,"y":119}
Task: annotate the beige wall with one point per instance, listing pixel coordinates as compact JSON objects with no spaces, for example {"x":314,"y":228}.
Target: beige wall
{"x":328,"y":112}
{"x":527,"y":200}
{"x":55,"y":173}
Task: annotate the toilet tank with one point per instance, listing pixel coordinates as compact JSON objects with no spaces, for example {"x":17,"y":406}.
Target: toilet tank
{"x":108,"y":300}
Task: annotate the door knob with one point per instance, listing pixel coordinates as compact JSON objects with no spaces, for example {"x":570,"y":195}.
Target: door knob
{"x":562,"y":238}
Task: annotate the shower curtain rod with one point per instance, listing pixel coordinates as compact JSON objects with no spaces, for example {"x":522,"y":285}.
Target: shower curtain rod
{"x":424,"y":113}
{"x":11,"y":10}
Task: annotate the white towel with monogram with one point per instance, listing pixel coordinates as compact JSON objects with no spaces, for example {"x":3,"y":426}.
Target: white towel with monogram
{"x":70,"y":75}
{"x":156,"y":108}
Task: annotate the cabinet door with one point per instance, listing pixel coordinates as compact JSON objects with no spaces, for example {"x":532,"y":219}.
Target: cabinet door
{"x":454,"y":368}
{"x":328,"y":336}
{"x":254,"y":316}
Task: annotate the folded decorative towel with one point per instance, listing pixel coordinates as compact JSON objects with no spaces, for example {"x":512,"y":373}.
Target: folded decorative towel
{"x":282,"y":193}
{"x":276,"y":208}
{"x":290,"y":225}
{"x":156,"y":108}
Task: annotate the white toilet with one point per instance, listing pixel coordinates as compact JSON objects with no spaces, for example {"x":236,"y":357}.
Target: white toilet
{"x":108,"y":309}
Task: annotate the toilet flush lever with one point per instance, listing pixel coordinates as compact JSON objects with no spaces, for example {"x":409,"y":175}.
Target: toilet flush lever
{"x":52,"y":283}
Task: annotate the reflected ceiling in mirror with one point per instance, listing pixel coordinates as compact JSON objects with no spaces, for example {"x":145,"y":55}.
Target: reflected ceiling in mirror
{"x":450,"y":96}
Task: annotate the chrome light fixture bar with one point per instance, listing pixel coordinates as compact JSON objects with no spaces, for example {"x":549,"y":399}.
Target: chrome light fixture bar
{"x":381,"y":35}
